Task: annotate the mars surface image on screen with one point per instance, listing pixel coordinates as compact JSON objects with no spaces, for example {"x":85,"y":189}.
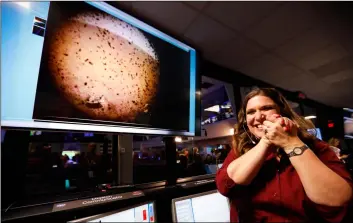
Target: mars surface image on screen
{"x":98,"y":68}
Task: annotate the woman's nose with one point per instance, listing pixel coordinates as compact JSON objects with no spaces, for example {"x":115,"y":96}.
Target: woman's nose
{"x":259,"y":116}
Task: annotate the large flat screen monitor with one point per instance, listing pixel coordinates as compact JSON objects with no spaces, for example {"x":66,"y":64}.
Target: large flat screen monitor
{"x":88,"y":66}
{"x":204,"y":207}
{"x":348,"y":123}
{"x":140,"y":213}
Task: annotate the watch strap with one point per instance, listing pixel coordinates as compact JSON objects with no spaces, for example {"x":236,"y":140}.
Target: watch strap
{"x":295,"y":149}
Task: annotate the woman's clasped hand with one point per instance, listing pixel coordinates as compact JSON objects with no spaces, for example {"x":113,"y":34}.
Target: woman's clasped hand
{"x":280,"y":131}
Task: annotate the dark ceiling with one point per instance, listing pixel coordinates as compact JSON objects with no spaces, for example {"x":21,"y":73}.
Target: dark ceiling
{"x":298,"y":46}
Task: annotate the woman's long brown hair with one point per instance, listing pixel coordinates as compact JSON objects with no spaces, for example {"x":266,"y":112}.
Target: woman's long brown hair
{"x":243,"y":143}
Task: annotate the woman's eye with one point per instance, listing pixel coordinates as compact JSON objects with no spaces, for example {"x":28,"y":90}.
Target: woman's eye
{"x":250,"y":112}
{"x":268,"y":108}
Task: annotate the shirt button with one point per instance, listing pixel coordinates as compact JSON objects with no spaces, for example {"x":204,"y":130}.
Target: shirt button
{"x":275,"y":194}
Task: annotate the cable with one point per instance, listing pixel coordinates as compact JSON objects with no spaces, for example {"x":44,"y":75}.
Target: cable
{"x":252,"y":141}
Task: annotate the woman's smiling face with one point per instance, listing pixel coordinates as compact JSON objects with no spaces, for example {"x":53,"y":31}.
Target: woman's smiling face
{"x":258,"y":109}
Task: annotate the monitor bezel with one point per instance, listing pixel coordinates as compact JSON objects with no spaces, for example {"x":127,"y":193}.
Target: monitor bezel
{"x":190,"y":197}
{"x":194,"y":127}
{"x":349,"y":119}
{"x":88,"y":127}
{"x":93,"y":217}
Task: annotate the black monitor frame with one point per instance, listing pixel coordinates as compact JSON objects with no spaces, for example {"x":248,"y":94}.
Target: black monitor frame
{"x":102,"y":126}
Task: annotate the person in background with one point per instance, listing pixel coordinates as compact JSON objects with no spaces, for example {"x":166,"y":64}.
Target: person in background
{"x":182,"y":164}
{"x":334,"y":142}
{"x":337,"y":151}
{"x":277,"y":171}
{"x":64,"y":160}
{"x":186,"y":153}
{"x":335,"y":145}
{"x":218,"y":154}
{"x":209,"y":159}
{"x":191,"y":155}
{"x":346,"y":157}
{"x":222,"y":155}
{"x":92,"y":156}
{"x":344,"y":153}
{"x":195,"y":151}
{"x":197,"y":167}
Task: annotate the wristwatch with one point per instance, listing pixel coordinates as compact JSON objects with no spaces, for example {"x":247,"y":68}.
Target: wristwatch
{"x":297,"y":151}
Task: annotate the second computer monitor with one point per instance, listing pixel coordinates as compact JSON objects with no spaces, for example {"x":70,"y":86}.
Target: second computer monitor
{"x":139,"y":213}
{"x":204,"y":207}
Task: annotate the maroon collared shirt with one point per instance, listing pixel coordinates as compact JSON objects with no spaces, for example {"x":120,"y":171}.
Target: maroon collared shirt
{"x":277,"y":195}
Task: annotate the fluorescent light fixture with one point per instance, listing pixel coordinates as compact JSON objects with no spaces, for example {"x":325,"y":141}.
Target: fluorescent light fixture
{"x":225,"y":106}
{"x":310,"y":117}
{"x":178,"y":139}
{"x":214,"y":108}
{"x":348,"y":109}
{"x":346,"y":119}
{"x":24,"y":4}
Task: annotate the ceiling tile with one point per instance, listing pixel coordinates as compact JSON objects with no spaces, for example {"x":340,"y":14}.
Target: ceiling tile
{"x":321,"y":57}
{"x":167,"y":14}
{"x":263,"y":67}
{"x":343,"y":34}
{"x":341,"y":97}
{"x":122,"y":4}
{"x":344,"y":85}
{"x":334,"y":66}
{"x":290,"y":20}
{"x":199,"y":5}
{"x":288,"y":77}
{"x":240,"y":15}
{"x":313,"y":87}
{"x":237,"y":52}
{"x":308,"y":43}
{"x":277,"y":72}
{"x":208,"y":34}
{"x":338,"y":77}
{"x":306,"y":83}
{"x":338,"y":94}
{"x":337,"y":21}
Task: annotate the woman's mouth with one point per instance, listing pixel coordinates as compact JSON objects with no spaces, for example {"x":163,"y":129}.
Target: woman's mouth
{"x":259,"y":127}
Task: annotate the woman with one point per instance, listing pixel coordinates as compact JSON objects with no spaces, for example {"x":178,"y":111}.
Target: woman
{"x":335,"y":146}
{"x":334,"y":142}
{"x":277,"y":171}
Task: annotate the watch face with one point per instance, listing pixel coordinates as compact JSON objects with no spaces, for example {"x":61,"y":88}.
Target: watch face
{"x":298,"y":151}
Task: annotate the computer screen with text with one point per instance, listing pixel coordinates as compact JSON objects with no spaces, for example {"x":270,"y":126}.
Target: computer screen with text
{"x":205,"y":207}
